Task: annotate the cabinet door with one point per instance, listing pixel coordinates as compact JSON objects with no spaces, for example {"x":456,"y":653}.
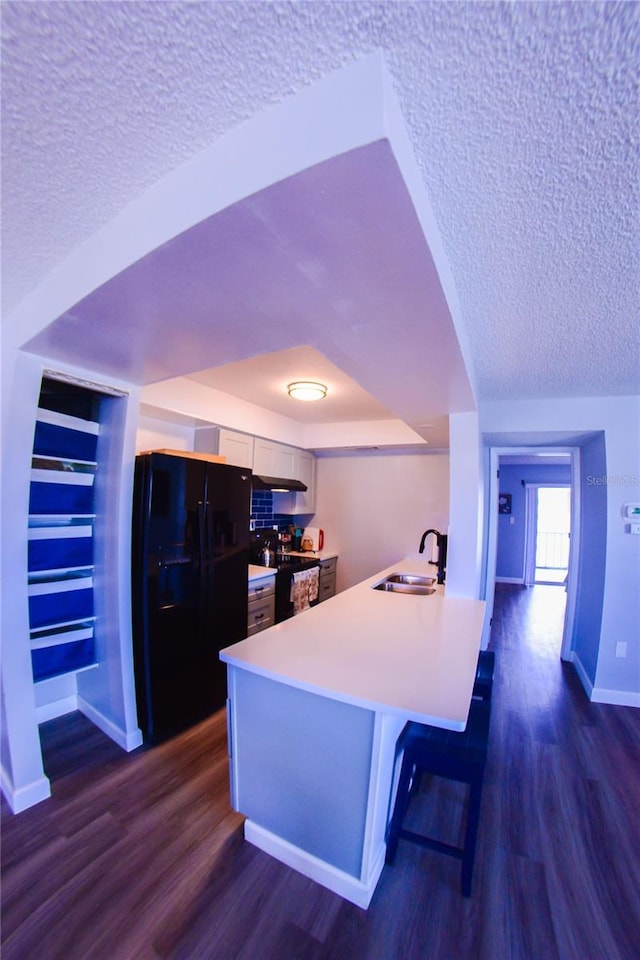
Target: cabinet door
{"x":206,"y":440}
{"x":261,"y":615}
{"x":327,"y":587}
{"x":306,"y":471}
{"x":275,"y":459}
{"x":237,"y":448}
{"x":263,"y":457}
{"x":285,"y":462}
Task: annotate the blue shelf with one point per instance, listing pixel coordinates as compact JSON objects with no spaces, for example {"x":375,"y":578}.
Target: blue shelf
{"x":53,"y":440}
{"x":63,"y":658}
{"x":67,"y":552}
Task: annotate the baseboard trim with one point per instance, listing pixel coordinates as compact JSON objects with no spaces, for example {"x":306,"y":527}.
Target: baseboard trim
{"x":24,"y":797}
{"x":518,"y":580}
{"x":57,"y":708}
{"x":355,"y":891}
{"x":619,"y":698}
{"x":582,"y":673}
{"x":128,"y":740}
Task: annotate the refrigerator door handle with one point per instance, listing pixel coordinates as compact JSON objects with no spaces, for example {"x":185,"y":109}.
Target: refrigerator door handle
{"x":210,"y":532}
{"x":202,"y":550}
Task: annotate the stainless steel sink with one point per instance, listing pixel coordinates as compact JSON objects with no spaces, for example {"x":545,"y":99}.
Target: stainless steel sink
{"x":407,"y":584}
{"x":410,"y":578}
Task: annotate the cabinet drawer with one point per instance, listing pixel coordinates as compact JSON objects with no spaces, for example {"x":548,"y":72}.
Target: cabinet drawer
{"x":264,"y":587}
{"x":328,"y":567}
{"x":261,"y":615}
{"x":327,"y":587}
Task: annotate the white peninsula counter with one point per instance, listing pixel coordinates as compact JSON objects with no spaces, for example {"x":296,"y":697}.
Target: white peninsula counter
{"x":315,"y":708}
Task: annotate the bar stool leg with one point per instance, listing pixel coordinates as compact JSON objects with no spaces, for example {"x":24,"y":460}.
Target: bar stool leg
{"x":471,"y":834}
{"x":402,"y":802}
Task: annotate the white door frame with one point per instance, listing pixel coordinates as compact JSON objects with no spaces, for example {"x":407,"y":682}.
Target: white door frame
{"x":491,"y":538}
{"x":531,"y":529}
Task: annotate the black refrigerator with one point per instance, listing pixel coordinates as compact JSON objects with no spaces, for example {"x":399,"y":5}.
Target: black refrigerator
{"x":189,"y":586}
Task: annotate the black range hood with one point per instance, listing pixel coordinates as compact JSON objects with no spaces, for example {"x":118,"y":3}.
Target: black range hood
{"x":277,"y":484}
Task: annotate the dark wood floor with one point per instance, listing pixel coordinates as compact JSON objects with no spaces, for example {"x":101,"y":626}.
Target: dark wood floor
{"x":140,"y":856}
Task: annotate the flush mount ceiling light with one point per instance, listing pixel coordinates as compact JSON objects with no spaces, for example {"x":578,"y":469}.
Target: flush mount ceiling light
{"x":306,"y":390}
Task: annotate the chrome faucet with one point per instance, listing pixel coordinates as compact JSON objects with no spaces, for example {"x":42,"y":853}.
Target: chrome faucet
{"x":441,"y":540}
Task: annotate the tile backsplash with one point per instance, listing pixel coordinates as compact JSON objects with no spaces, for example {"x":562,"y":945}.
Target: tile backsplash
{"x":262,"y":515}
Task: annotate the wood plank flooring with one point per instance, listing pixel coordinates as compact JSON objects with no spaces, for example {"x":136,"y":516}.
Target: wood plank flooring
{"x":140,"y":857}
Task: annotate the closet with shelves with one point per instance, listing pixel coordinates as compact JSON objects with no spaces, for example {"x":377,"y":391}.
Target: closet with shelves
{"x":67,"y":609}
{"x":61,"y":531}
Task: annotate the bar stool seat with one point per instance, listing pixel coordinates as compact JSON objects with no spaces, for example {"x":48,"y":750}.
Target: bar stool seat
{"x":483,"y":683}
{"x":454,"y":756}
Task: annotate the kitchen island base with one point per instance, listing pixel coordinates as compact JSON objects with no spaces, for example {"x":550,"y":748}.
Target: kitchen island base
{"x":313,"y":777}
{"x":358,"y":892}
{"x":316,"y":706}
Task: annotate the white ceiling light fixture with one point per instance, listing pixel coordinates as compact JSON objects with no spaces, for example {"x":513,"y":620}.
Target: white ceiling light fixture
{"x":306,"y":390}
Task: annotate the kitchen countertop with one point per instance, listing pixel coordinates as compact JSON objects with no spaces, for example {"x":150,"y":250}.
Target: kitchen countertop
{"x":313,"y":554}
{"x":256,"y":571}
{"x":413,"y":656}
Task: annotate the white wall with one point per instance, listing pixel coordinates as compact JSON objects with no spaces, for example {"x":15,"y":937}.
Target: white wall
{"x":153,"y":434}
{"x":464,"y":559}
{"x":107,"y":694}
{"x":22,"y":774}
{"x":193,"y":400}
{"x":375,"y":507}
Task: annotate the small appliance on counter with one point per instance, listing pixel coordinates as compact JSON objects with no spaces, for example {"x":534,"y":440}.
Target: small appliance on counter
{"x":312,"y":540}
{"x":263,"y":546}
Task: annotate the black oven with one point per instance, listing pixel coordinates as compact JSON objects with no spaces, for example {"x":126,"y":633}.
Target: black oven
{"x":285,"y":566}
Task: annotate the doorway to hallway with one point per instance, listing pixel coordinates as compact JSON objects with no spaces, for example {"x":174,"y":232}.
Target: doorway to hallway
{"x":510,"y":471}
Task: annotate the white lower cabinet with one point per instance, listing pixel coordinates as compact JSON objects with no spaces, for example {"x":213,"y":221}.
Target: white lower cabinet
{"x":327,"y":587}
{"x":262,"y":604}
{"x":292,"y":750}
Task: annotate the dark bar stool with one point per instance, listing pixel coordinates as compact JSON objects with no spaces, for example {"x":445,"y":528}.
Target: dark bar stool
{"x":483,"y":683}
{"x":455,"y":756}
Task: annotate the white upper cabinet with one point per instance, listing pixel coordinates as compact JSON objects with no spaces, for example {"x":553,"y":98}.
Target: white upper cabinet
{"x":272,"y":459}
{"x":306,"y":502}
{"x":285,"y":462}
{"x":237,"y":448}
{"x":264,"y":457}
{"x":302,"y":466}
{"x":268,"y":459}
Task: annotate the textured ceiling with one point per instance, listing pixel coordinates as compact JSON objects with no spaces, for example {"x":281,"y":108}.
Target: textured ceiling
{"x":523,"y":117}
